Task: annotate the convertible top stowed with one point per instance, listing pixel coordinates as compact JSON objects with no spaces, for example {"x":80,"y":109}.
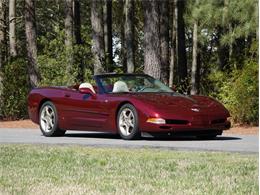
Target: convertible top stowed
{"x":127,"y":104}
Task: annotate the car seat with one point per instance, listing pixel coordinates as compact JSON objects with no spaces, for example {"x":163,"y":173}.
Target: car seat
{"x":120,"y":86}
{"x":87,"y":85}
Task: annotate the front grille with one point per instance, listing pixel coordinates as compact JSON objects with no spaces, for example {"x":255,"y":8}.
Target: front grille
{"x":217,"y":121}
{"x":176,"y":122}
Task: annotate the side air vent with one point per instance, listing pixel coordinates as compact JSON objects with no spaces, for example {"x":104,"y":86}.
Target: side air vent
{"x":218,"y":121}
{"x":176,"y":122}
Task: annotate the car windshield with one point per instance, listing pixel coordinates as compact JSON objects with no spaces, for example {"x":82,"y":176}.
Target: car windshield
{"x":132,"y":83}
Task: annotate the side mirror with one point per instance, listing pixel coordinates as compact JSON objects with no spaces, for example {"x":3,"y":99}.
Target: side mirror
{"x":88,"y":91}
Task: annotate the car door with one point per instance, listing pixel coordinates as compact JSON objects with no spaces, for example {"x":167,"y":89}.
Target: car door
{"x":82,"y":111}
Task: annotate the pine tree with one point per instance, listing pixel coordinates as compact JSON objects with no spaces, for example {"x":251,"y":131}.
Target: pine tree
{"x":129,"y":35}
{"x":152,"y":63}
{"x":30,"y":31}
{"x":98,"y":49}
{"x":12,"y":28}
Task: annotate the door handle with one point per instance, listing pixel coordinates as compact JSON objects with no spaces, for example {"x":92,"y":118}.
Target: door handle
{"x":67,"y":95}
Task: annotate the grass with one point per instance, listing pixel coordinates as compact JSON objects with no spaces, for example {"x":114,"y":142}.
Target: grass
{"x":42,"y":169}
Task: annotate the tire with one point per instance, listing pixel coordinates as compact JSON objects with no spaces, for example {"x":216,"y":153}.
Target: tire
{"x":127,"y":122}
{"x":48,"y":120}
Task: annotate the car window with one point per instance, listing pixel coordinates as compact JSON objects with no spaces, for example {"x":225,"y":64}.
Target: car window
{"x":134,"y":83}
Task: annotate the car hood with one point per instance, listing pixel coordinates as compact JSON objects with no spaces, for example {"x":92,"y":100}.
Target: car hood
{"x":174,"y":101}
{"x":169,"y":99}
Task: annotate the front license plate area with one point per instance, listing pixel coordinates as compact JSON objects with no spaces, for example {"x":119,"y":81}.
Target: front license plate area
{"x":200,"y":120}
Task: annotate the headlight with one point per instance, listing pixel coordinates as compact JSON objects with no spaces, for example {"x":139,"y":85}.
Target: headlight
{"x":156,"y":120}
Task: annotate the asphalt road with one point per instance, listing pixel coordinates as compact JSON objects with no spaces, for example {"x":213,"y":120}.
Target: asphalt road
{"x":227,"y":143}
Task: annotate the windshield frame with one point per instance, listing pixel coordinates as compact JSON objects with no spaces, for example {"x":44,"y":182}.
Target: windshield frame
{"x":102,"y":90}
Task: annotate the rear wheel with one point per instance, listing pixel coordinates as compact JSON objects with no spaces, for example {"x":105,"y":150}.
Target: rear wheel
{"x":48,"y":120}
{"x":127,"y":122}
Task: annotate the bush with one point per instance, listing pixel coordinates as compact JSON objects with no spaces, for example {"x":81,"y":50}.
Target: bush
{"x":239,"y":93}
{"x":53,"y":60}
{"x":15,"y":88}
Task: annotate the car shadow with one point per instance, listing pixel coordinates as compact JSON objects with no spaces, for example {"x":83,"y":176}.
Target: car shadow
{"x":190,"y":138}
{"x":93,"y":135}
{"x":148,"y":137}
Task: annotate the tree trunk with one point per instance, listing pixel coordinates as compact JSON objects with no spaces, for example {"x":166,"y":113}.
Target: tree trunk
{"x":129,"y":35}
{"x":238,"y":49}
{"x":6,"y":52}
{"x":173,"y":43}
{"x":30,"y":30}
{"x":108,"y":34}
{"x":164,"y":40}
{"x":122,"y":38}
{"x":194,"y":69}
{"x":77,"y":22}
{"x":2,"y":32}
{"x":77,"y":34}
{"x":69,"y":34}
{"x":181,"y":48}
{"x":98,"y":49}
{"x":152,"y":63}
{"x":12,"y":27}
{"x":222,"y":50}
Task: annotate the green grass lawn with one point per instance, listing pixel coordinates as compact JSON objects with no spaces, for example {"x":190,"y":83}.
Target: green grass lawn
{"x":41,"y":169}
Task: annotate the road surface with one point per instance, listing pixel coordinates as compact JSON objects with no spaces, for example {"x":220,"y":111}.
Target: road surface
{"x":227,"y":143}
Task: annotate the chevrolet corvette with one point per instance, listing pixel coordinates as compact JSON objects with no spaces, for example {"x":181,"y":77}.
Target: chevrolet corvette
{"x":128,"y":104}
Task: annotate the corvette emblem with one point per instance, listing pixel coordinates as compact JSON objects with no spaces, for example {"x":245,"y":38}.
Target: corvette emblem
{"x":195,"y":109}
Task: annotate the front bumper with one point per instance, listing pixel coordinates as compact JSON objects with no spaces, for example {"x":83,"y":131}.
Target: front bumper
{"x":190,"y":127}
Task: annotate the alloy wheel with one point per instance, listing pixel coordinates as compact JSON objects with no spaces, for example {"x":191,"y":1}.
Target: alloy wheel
{"x":126,"y":121}
{"x":47,"y":118}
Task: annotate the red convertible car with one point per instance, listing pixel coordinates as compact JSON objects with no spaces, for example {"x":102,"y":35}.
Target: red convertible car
{"x":127,"y":104}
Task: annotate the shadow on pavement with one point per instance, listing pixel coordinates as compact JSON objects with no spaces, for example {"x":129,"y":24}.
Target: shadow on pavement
{"x":190,"y":138}
{"x":93,"y":135}
{"x":149,"y":137}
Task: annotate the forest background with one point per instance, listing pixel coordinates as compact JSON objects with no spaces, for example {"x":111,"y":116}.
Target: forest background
{"x":204,"y":47}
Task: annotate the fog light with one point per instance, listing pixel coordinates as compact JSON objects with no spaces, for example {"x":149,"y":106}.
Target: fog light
{"x":156,"y":120}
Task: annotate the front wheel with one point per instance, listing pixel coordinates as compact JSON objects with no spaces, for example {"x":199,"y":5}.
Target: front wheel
{"x":127,"y":122}
{"x":49,"y":120}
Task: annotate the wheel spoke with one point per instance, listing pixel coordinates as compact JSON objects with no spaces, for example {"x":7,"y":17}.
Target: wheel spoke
{"x":43,"y":119}
{"x":131,"y":123}
{"x":49,"y":125}
{"x":122,"y":124}
{"x":124,"y":128}
{"x":124,"y":114}
{"x":127,"y":130}
{"x":45,"y":111}
{"x":46,"y":126}
{"x":49,"y":111}
{"x":121,"y":118}
{"x":130,"y":116}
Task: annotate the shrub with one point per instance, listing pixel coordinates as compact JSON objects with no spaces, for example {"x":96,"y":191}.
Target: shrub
{"x":52,"y":61}
{"x":239,"y":93}
{"x":15,"y":88}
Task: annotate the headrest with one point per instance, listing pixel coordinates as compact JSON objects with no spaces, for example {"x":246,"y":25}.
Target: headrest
{"x":87,"y":85}
{"x":120,"y":86}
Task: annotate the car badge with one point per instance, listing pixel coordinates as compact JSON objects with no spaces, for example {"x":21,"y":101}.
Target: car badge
{"x":195,"y":109}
